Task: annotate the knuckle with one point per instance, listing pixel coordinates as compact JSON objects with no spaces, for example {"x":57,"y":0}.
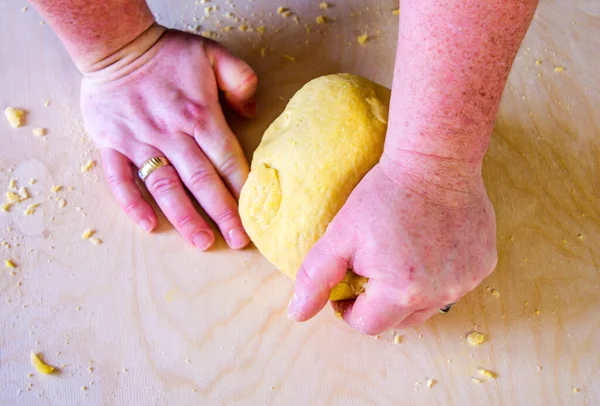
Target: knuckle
{"x":248,"y":79}
{"x":201,"y":177}
{"x":163,"y":186}
{"x":226,"y":216}
{"x":183,"y":220}
{"x":132,"y":206}
{"x":228,"y":166}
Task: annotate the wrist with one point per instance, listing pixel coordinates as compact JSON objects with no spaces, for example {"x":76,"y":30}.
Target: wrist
{"x":440,"y":180}
{"x":127,"y":58}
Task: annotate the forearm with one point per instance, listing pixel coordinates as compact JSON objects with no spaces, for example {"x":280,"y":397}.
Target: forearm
{"x":92,"y":30}
{"x":453,"y":59}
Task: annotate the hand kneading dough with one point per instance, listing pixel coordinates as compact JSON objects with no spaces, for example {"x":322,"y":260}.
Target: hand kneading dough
{"x":309,"y":160}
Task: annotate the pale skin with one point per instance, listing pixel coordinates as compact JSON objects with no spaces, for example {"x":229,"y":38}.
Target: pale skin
{"x":428,"y":236}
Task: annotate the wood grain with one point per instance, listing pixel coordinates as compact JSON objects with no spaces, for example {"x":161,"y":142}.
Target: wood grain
{"x":162,"y":324}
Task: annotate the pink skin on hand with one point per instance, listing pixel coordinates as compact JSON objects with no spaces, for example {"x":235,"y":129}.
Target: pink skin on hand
{"x":420,"y":225}
{"x":170,"y":106}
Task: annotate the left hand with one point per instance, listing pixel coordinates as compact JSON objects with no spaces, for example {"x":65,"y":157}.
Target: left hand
{"x":422,"y":235}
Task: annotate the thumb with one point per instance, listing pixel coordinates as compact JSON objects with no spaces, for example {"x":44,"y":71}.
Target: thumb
{"x":235,"y":79}
{"x":322,"y":269}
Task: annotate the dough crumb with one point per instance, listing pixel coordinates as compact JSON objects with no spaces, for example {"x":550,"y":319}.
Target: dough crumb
{"x":538,"y":62}
{"x":56,"y":188}
{"x":559,"y":69}
{"x":23,"y":193}
{"x":96,"y":240}
{"x":39,"y":132}
{"x":288,"y":57}
{"x":12,"y":197}
{"x":32,"y":181}
{"x":362,"y":39}
{"x":496,"y":293}
{"x":47,"y":103}
{"x":486,"y":373}
{"x":475,"y":338}
{"x":87,"y":233}
{"x":261,"y":30}
{"x":40,"y":365}
{"x":62,"y":203}
{"x":475,"y":380}
{"x":321,"y":19}
{"x":29,"y":210}
{"x":324,"y":5}
{"x":15,"y":116}
{"x":84,"y":388}
{"x":397,"y":339}
{"x":575,"y":390}
{"x":431,"y":382}
{"x":12,"y":184}
{"x":396,"y":11}
{"x":5,"y":207}
{"x":88,"y":166}
{"x":9,"y":263}
{"x":281,"y":10}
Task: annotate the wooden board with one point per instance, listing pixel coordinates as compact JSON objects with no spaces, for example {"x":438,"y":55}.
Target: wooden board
{"x":162,"y":324}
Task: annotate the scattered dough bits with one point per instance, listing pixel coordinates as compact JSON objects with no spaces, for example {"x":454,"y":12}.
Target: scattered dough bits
{"x":23,"y":193}
{"x":56,"y":188}
{"x":486,"y":373}
{"x":284,"y":12}
{"x":40,"y":365}
{"x":397,"y":339}
{"x":87,"y":233}
{"x":88,"y":166}
{"x":475,"y":338}
{"x":5,"y":207}
{"x":12,"y":197}
{"x":95,"y":240}
{"x":476,"y":380}
{"x":495,"y":293}
{"x":321,"y":19}
{"x":15,"y":116}
{"x":9,"y":263}
{"x":12,"y":184}
{"x":396,"y":11}
{"x":362,"y":39}
{"x":29,"y":210}
{"x":559,"y":69}
{"x":576,"y":390}
{"x":431,"y":382}
{"x":39,"y":132}
{"x":288,"y":57}
{"x":261,"y":30}
{"x":538,"y":62}
{"x":62,"y":203}
{"x":324,"y":5}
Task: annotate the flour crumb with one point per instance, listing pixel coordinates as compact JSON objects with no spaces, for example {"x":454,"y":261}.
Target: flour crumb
{"x":87,"y":233}
{"x":15,"y":116}
{"x":475,"y":338}
{"x":39,"y":132}
{"x":88,"y":166}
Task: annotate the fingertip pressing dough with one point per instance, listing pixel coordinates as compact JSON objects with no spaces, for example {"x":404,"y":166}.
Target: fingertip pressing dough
{"x":309,"y":160}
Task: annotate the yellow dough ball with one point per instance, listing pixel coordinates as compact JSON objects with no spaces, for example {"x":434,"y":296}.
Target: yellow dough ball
{"x":309,"y":160}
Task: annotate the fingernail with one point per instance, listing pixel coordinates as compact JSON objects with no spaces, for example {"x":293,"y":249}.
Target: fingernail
{"x":293,"y":312}
{"x":202,"y":240}
{"x":146,"y":225}
{"x":237,"y":238}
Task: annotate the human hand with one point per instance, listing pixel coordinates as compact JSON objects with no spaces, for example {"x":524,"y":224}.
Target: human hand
{"x":164,"y":101}
{"x":422,"y":231}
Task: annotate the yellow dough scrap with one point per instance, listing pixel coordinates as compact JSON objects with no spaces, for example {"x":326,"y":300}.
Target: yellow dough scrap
{"x":15,"y":116}
{"x":309,"y":160}
{"x":40,"y":365}
{"x":475,"y":338}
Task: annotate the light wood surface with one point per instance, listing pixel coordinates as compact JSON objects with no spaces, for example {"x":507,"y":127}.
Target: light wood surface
{"x":162,"y":324}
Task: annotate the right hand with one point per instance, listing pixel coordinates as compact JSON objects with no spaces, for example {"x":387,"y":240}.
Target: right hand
{"x":167,"y":104}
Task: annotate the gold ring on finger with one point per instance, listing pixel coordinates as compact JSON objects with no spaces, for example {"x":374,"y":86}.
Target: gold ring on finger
{"x":151,"y":165}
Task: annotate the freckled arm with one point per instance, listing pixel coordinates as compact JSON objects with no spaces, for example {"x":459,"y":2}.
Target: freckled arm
{"x":93,"y":30}
{"x":453,"y":60}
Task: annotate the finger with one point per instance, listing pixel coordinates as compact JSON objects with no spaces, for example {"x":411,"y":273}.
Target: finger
{"x":321,"y":270}
{"x":207,"y":187}
{"x":375,"y":310}
{"x":235,"y":78}
{"x":168,"y":191}
{"x":223,"y":150}
{"x":418,"y":317}
{"x":119,"y":175}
